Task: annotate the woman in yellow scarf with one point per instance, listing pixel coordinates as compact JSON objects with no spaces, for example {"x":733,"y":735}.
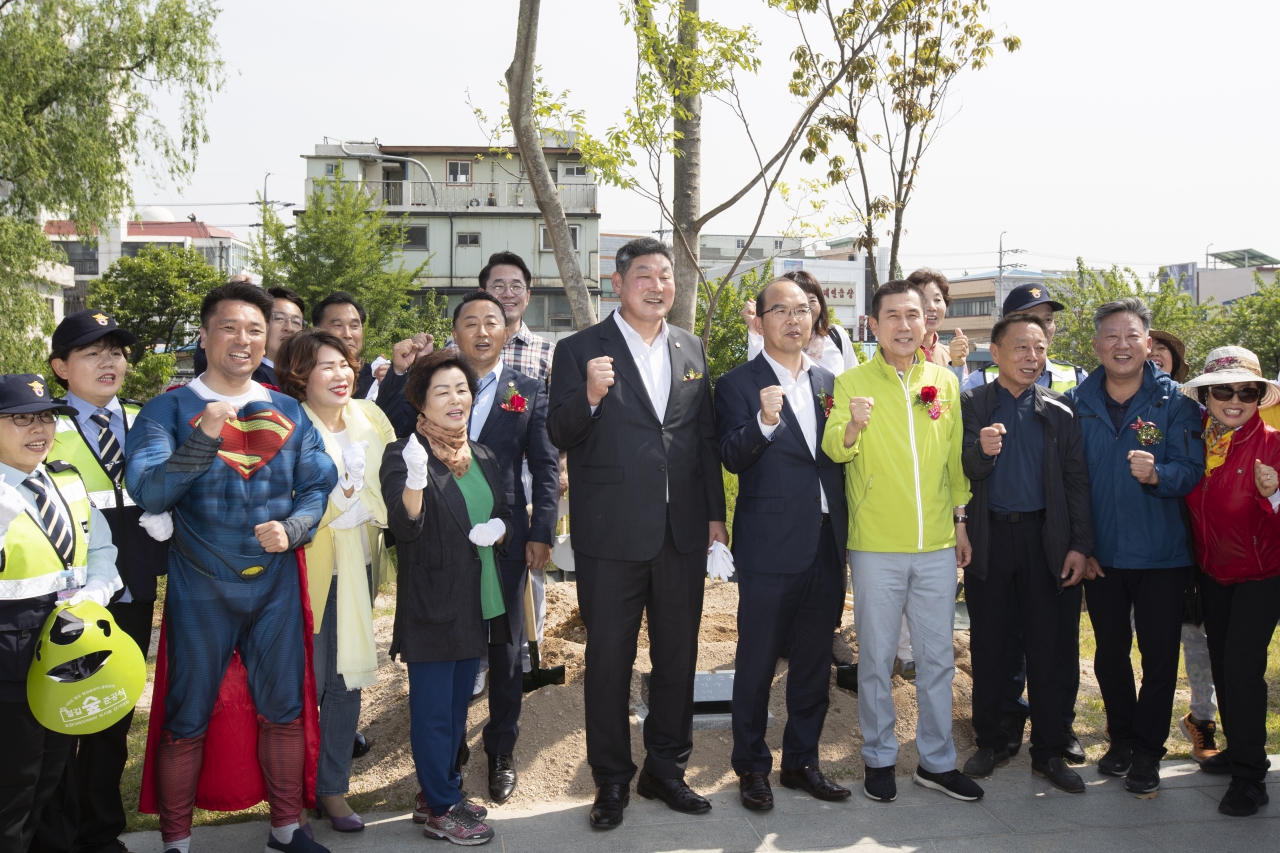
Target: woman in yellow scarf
{"x":346,"y":560}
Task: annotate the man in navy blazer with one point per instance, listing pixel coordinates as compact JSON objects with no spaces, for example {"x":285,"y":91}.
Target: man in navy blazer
{"x":509,"y":416}
{"x":788,"y":529}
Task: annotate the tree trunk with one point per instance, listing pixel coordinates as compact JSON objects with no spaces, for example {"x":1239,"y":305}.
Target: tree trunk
{"x":520,"y":94}
{"x":687,"y":177}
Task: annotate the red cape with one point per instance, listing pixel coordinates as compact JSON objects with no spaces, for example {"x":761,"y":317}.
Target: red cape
{"x":231,"y":779}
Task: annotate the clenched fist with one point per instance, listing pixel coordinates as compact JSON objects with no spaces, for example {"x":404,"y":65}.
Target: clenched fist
{"x":215,"y":415}
{"x":860,"y":411}
{"x":1264,"y":476}
{"x":1142,"y":465}
{"x":599,"y":378}
{"x":990,"y":439}
{"x":771,"y":400}
{"x":271,"y":537}
{"x":959,"y":348}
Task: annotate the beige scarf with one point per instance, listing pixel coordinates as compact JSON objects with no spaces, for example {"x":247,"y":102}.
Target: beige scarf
{"x":448,"y":445}
{"x":357,"y":661}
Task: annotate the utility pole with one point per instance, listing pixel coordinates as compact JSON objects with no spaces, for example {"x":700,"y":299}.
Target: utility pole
{"x":1000,"y":294}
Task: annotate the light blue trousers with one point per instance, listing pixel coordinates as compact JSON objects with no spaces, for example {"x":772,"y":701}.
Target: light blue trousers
{"x":924,"y":585}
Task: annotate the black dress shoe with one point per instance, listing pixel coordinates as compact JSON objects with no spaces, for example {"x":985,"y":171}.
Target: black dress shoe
{"x":362,"y":745}
{"x":1014,"y":726}
{"x":1059,"y":775}
{"x":674,"y":792}
{"x":984,"y":762}
{"x":811,"y":779}
{"x":1073,"y":752}
{"x":502,"y":778}
{"x":611,"y":799}
{"x":755,"y":791}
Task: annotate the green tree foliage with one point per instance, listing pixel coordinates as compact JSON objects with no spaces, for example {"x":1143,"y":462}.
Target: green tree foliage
{"x":77,"y":111}
{"x":1201,"y":327}
{"x":340,"y":243}
{"x":149,"y":376}
{"x":156,"y":296}
{"x":727,"y":338}
{"x":1254,"y":323}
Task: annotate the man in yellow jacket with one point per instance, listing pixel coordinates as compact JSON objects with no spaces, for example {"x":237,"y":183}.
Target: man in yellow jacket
{"x":896,"y":421}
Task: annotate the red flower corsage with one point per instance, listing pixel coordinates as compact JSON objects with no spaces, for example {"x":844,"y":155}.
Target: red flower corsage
{"x":827,"y":402}
{"x":929,"y":399}
{"x":514,"y":401}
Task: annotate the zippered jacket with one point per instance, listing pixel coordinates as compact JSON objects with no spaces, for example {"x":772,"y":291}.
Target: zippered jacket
{"x":1137,"y":526}
{"x":904,"y":476}
{"x":1237,"y":531}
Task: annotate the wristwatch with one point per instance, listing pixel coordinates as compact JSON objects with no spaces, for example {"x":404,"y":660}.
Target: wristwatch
{"x":960,"y":519}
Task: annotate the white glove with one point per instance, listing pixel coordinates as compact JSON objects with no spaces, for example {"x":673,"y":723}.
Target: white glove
{"x":720,"y":562}
{"x":353,"y":461}
{"x":415,"y":459}
{"x":159,"y":527}
{"x":488,"y":532}
{"x":95,"y":591}
{"x":12,"y":505}
{"x":354,"y":516}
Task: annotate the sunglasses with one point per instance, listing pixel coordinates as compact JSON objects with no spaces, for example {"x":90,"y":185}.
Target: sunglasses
{"x":1224,"y":393}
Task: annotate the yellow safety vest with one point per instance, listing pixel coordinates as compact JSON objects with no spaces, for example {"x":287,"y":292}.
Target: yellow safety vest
{"x":1062,"y":376}
{"x":70,"y":445}
{"x":32,"y":566}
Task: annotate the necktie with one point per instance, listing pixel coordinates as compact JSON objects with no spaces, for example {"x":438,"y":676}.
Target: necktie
{"x":52,"y":517}
{"x":109,"y":451}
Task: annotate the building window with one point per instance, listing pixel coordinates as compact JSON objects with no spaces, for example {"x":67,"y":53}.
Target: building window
{"x":573,"y":170}
{"x":777,"y":245}
{"x":416,"y":239}
{"x":544,"y":238}
{"x":979,"y":307}
{"x":535,"y":316}
{"x":330,"y":169}
{"x":471,"y":239}
{"x":458,"y":171}
{"x":82,"y":259}
{"x":559,"y":314}
{"x":740,"y":243}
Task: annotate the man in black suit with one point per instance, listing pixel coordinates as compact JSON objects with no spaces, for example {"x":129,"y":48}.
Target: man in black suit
{"x":509,"y":416}
{"x":631,"y":404}
{"x":788,"y":528}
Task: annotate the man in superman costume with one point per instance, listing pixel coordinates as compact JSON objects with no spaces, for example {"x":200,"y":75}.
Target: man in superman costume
{"x":246,"y":477}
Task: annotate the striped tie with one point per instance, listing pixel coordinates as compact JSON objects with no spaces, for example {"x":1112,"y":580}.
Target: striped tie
{"x":54,"y":520}
{"x":109,"y":451}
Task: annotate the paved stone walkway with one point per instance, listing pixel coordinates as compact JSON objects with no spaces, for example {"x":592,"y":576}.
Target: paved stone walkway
{"x":1018,"y":813}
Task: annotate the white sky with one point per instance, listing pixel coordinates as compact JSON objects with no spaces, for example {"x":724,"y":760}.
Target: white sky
{"x":1126,"y":131}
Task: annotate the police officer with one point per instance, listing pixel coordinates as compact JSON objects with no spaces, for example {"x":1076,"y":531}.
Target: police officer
{"x":53,"y":544}
{"x":88,"y":359}
{"x":1060,"y":376}
{"x":1034,"y":298}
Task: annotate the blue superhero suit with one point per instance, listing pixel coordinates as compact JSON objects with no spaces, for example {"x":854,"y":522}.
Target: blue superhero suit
{"x":268,"y":464}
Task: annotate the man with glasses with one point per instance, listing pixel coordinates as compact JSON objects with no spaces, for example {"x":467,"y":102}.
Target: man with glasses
{"x":788,"y":531}
{"x":288,"y":317}
{"x":508,"y":279}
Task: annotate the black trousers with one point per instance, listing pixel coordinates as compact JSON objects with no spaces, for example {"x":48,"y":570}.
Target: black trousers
{"x":1154,"y":597}
{"x":1070,"y":604}
{"x":31,"y":766}
{"x":100,"y":758}
{"x":1019,"y":587}
{"x":612,"y":596}
{"x":1239,"y":620}
{"x":506,"y":678}
{"x":795,"y":608}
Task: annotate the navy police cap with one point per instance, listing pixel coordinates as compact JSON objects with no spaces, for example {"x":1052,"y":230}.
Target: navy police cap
{"x":21,"y":393}
{"x":84,"y":327}
{"x":1029,"y":295}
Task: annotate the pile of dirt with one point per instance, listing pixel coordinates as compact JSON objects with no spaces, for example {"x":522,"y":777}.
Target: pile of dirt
{"x":551,"y":753}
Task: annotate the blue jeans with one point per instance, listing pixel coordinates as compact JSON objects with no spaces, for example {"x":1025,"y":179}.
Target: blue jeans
{"x":339,"y":707}
{"x":439,"y":692}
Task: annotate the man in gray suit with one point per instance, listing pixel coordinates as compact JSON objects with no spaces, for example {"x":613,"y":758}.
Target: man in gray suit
{"x":631,"y":404}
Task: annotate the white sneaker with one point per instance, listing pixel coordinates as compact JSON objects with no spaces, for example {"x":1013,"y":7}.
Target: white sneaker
{"x":479,"y":688}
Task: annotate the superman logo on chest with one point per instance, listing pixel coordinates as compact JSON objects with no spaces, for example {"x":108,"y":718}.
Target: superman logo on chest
{"x":252,"y":441}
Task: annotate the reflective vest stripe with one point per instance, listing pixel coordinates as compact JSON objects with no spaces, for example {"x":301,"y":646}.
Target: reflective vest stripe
{"x":32,"y":566}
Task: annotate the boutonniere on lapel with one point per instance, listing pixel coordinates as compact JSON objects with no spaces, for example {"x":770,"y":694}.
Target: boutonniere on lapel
{"x":826,"y":401}
{"x":1148,"y":433}
{"x":690,"y":375}
{"x":514,"y":401}
{"x":928,"y":398}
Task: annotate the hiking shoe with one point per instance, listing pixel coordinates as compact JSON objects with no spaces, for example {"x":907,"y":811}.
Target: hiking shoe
{"x":422,"y":814}
{"x":1203,"y":746}
{"x":1243,"y":798}
{"x":1117,"y":761}
{"x":1059,"y":775}
{"x":880,"y":783}
{"x":984,"y":762}
{"x":458,"y":825}
{"x":1144,"y":775}
{"x":953,"y":783}
{"x":1014,"y":725}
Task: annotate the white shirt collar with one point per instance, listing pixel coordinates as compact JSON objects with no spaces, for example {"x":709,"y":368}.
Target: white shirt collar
{"x":633,"y":337}
{"x":784,"y":373}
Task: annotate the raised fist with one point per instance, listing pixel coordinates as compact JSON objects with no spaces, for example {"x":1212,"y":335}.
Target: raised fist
{"x":771,"y":400}
{"x":599,"y":378}
{"x":215,"y":415}
{"x":860,"y":411}
{"x":990,"y":438}
{"x":1264,"y":476}
{"x":1142,"y":465}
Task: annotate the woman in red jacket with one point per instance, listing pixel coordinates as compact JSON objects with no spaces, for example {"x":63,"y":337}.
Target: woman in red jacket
{"x":1237,"y":533}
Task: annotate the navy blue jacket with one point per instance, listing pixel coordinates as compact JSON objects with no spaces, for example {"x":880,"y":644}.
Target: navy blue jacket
{"x":1137,"y":526}
{"x":779,"y":510}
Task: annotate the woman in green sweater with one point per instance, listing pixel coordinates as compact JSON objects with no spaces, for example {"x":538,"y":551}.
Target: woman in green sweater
{"x":448,"y":511}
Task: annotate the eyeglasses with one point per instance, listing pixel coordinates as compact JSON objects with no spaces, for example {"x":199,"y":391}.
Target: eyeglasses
{"x":1224,"y":393}
{"x":800,"y":312}
{"x":28,"y":418}
{"x":288,"y":320}
{"x":515,"y":288}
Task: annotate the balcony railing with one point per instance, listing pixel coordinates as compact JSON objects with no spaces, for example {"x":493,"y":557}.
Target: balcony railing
{"x":84,"y":266}
{"x":479,"y":196}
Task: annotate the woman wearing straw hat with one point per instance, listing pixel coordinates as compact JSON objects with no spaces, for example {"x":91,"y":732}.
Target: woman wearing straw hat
{"x":1237,"y":533}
